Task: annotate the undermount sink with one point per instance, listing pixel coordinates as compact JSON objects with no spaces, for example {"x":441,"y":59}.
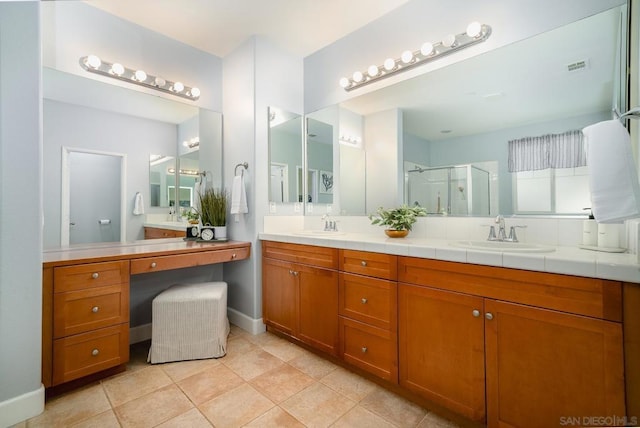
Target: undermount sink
{"x":504,"y":246}
{"x":323,"y":233}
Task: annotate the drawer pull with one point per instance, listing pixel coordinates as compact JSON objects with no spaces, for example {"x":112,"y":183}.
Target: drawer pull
{"x":95,"y":275}
{"x":95,"y":309}
{"x":488,"y":316}
{"x":364,"y":349}
{"x":363,"y":263}
{"x":95,"y":352}
{"x":475,"y":313}
{"x":154,"y":264}
{"x":233,"y":256}
{"x":364,"y":300}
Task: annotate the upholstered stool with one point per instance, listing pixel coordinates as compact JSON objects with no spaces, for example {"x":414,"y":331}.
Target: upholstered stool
{"x":189,"y":322}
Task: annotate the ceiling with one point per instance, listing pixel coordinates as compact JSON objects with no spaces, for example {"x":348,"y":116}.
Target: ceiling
{"x":300,"y":27}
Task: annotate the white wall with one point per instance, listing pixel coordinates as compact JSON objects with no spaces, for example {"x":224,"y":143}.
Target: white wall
{"x":21,"y":393}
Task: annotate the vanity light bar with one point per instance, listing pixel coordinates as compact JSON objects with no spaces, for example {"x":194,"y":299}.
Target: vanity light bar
{"x":94,"y":64}
{"x":475,"y":33}
{"x":184,"y":171}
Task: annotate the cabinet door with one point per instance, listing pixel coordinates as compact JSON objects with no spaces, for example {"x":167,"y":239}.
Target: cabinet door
{"x":318,"y":308}
{"x":547,"y":368}
{"x":279,"y":295}
{"x":441,"y":348}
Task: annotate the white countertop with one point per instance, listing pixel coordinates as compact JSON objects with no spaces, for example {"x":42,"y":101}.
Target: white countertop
{"x":564,"y":260}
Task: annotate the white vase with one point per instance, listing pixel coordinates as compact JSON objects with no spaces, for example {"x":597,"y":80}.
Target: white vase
{"x":220,"y":232}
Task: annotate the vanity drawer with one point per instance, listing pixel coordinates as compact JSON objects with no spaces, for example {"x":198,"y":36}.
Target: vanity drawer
{"x":305,"y":254}
{"x":371,"y":264}
{"x":155,"y":264}
{"x":369,"y":300}
{"x":80,"y":311}
{"x":157,"y":233}
{"x":79,"y":277}
{"x":370,"y":348}
{"x":83,"y":354}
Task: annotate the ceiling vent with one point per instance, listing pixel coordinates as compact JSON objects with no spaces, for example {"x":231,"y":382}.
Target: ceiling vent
{"x":578,"y":65}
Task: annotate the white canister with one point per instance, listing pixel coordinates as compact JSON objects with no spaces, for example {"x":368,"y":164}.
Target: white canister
{"x":589,"y":233}
{"x":608,"y":235}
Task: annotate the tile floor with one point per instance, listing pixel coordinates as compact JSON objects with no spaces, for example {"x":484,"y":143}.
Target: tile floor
{"x":263,"y":381}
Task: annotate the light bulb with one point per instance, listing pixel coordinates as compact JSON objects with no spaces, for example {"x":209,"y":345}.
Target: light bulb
{"x":406,"y":57}
{"x":426,"y":49}
{"x":195,"y":92}
{"x":140,"y":75}
{"x":389,"y":64}
{"x":178,"y":87}
{"x":373,"y":70}
{"x":344,"y":82}
{"x":93,"y":61}
{"x":117,"y":69}
{"x":474,"y":29}
{"x":449,"y":40}
{"x":358,"y":77}
{"x":160,"y":82}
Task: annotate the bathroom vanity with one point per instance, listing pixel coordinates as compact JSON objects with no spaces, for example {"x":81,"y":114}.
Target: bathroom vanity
{"x":85,"y":306}
{"x":500,"y":346}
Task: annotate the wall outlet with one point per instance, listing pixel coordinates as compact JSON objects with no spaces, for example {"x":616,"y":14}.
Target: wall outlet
{"x":272,"y":207}
{"x":296,"y":207}
{"x":329,"y":208}
{"x":310,"y":207}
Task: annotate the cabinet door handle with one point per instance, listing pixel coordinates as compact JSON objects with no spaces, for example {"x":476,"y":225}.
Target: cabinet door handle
{"x":488,"y":316}
{"x":363,"y":263}
{"x":295,"y":273}
{"x":95,"y":275}
{"x":233,"y":256}
{"x":154,"y":264}
{"x":95,"y":352}
{"x":475,"y":313}
{"x":95,"y":309}
{"x":364,"y":300}
{"x":364,"y":349}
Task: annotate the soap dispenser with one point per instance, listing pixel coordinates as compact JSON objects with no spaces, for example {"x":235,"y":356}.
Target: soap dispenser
{"x":590,"y":230}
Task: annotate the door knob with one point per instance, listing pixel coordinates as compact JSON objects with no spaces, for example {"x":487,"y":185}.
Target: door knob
{"x":488,"y":316}
{"x":95,"y":275}
{"x":475,"y":313}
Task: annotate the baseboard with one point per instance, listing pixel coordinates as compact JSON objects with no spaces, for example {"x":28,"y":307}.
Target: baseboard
{"x":22,"y":407}
{"x":142,"y":332}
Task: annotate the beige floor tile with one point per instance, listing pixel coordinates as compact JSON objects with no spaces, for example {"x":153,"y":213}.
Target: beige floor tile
{"x":131,"y":385}
{"x":154,"y":408}
{"x":236,"y":408}
{"x":312,"y":365}
{"x":210,"y":383}
{"x":138,"y":353}
{"x":281,"y":383}
{"x":276,"y":418}
{"x":393,"y":408}
{"x":253,"y":363}
{"x":103,"y":420}
{"x":283,"y":349}
{"x":183,"y":369}
{"x":317,"y":406}
{"x":191,"y":419}
{"x":22,"y":424}
{"x":72,"y":408}
{"x":359,"y":417}
{"x":348,"y":384}
{"x":239,"y":346}
{"x":431,"y":420}
{"x":236,"y":332}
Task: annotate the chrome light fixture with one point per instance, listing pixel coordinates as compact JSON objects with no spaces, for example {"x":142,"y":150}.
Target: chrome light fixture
{"x":94,"y":64}
{"x":475,"y":33}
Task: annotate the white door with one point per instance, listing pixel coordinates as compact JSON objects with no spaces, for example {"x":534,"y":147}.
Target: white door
{"x":279,"y":180}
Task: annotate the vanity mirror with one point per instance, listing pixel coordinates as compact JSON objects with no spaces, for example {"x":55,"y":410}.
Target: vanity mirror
{"x":465,"y":114}
{"x":285,"y":156}
{"x":321,"y":130}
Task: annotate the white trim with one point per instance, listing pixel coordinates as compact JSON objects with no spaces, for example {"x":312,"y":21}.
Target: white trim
{"x":22,"y":407}
{"x":139,"y":333}
{"x":65,"y":194}
{"x":253,"y":326}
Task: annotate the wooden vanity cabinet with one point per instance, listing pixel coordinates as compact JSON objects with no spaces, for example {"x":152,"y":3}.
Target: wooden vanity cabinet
{"x":300,"y":293}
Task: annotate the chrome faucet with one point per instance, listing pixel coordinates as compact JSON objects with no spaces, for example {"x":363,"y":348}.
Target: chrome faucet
{"x":329,"y":225}
{"x":502,"y":233}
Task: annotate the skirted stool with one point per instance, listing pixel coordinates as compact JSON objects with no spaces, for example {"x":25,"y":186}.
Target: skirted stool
{"x":189,"y":322}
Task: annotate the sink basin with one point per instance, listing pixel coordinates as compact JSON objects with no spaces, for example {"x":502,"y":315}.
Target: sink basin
{"x":319,"y":233}
{"x":503,"y":246}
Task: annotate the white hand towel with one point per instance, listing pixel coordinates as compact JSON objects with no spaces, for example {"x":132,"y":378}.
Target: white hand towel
{"x":238,"y":196}
{"x":138,"y":204}
{"x":197,"y":189}
{"x":613,"y":178}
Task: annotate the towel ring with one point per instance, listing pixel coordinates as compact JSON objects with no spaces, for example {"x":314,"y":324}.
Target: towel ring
{"x":244,"y":166}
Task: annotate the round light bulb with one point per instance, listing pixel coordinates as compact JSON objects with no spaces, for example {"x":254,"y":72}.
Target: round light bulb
{"x":474,"y":29}
{"x":140,"y":75}
{"x":178,"y":87}
{"x":160,"y":82}
{"x":117,"y":69}
{"x":406,"y":57}
{"x":344,"y":82}
{"x":449,"y":40}
{"x":389,"y":64}
{"x":195,"y":92}
{"x":426,"y":49}
{"x":373,"y":70}
{"x":358,"y":77}
{"x":93,"y":61}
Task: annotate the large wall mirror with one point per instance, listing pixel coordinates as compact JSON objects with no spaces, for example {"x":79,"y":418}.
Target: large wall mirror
{"x":285,"y":156}
{"x":167,"y":144}
{"x":321,"y":136}
{"x":454,"y":123}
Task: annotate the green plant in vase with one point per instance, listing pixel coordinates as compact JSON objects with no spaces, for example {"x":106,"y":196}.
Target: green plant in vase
{"x":399,"y":221}
{"x":213,"y":211}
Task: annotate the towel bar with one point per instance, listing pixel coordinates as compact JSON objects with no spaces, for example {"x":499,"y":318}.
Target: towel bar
{"x":244,"y":165}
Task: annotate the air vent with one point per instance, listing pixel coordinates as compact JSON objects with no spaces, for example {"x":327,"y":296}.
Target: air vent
{"x":578,"y":65}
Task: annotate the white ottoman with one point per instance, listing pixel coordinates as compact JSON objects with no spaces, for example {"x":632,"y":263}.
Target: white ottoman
{"x":189,"y":322}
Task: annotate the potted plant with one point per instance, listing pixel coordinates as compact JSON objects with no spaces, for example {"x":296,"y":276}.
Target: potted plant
{"x":213,"y":211}
{"x":399,"y":221}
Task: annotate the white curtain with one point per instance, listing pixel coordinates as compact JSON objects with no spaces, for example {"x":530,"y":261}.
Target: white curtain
{"x":564,"y":150}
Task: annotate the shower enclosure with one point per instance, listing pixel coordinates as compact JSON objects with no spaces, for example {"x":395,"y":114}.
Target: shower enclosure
{"x":457,"y":190}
